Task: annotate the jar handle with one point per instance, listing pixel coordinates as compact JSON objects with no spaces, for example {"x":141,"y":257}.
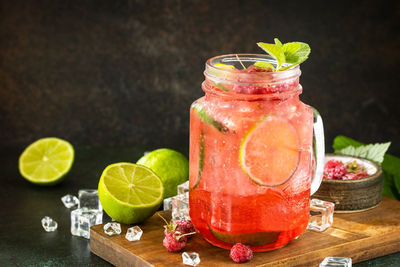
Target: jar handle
{"x":318,"y":152}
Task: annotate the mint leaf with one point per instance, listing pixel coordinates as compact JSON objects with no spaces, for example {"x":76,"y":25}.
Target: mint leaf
{"x":275,"y":51}
{"x":342,"y":141}
{"x":206,"y":118}
{"x":225,"y":66}
{"x":391,"y":164}
{"x":296,"y":52}
{"x":390,"y":182}
{"x":264,"y":65}
{"x":391,"y":176}
{"x":292,"y":53}
{"x":220,"y":86}
{"x":377,"y":152}
{"x":374,"y":152}
{"x":277,"y":42}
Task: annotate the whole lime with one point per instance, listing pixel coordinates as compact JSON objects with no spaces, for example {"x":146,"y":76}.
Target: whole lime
{"x":171,"y":166}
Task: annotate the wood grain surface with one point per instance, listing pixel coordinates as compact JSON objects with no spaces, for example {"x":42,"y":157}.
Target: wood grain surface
{"x":361,"y":236}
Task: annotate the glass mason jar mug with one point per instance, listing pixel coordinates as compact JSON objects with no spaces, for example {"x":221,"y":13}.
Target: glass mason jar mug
{"x":253,"y":165}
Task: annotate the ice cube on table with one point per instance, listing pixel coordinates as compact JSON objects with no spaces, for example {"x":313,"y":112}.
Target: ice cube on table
{"x":112,"y":228}
{"x":336,"y":262}
{"x":89,"y":198}
{"x":191,"y":259}
{"x":167,"y":203}
{"x":70,"y":201}
{"x":180,"y":207}
{"x":134,"y":233}
{"x":183,"y":188}
{"x":82,"y":219}
{"x":321,"y":215}
{"x":49,"y":225}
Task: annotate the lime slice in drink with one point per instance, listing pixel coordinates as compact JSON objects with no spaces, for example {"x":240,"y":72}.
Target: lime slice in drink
{"x":130,"y":193}
{"x":206,"y":118}
{"x":171,"y":166}
{"x":269,"y":152}
{"x":198,"y":157}
{"x":46,"y":161}
{"x":249,"y":239}
{"x":225,"y":66}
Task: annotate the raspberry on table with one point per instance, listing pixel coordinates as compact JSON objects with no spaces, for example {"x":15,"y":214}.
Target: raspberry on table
{"x":173,"y":242}
{"x":241,"y":253}
{"x":185,"y":226}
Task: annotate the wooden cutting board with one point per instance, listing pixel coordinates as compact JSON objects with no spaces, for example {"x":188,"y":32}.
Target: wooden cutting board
{"x":361,"y":236}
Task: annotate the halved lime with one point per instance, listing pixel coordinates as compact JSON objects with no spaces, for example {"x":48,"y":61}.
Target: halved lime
{"x":130,"y":193}
{"x":46,"y":161}
{"x":270,"y":151}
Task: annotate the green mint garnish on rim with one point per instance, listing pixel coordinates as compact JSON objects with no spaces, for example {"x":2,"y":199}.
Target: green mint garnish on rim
{"x":292,"y":54}
{"x":264,"y":65}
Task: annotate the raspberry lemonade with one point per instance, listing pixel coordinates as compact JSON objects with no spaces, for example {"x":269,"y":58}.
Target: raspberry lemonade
{"x":251,"y":153}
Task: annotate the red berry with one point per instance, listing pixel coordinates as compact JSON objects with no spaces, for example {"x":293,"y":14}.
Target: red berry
{"x":185,"y":227}
{"x":349,"y":176}
{"x":241,"y":253}
{"x":253,"y":68}
{"x":362,"y":175}
{"x":353,"y":176}
{"x":249,"y":89}
{"x":173,"y":242}
{"x":334,"y":169}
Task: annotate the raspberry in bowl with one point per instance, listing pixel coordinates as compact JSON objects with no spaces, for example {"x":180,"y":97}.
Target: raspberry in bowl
{"x":353,"y":184}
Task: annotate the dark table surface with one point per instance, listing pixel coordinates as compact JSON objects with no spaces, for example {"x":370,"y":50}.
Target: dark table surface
{"x":23,"y":240}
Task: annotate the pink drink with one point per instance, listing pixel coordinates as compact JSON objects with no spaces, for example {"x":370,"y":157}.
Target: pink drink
{"x":250,"y":156}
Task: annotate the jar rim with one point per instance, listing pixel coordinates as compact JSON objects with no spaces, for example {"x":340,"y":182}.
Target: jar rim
{"x":239,"y":79}
{"x":233,"y":76}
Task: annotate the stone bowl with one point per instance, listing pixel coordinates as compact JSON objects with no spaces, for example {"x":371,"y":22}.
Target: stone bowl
{"x":353,"y":195}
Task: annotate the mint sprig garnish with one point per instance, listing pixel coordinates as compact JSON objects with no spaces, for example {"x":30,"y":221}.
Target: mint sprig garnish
{"x":275,"y":51}
{"x":292,"y":53}
{"x":277,"y":42}
{"x":264,"y":65}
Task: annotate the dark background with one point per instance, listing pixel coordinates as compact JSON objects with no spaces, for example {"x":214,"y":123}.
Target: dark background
{"x":120,"y":73}
{"x":116,"y":78}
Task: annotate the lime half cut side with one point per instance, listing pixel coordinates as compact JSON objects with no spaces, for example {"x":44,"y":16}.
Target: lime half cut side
{"x":130,"y":193}
{"x":46,"y":161}
{"x":270,"y":151}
